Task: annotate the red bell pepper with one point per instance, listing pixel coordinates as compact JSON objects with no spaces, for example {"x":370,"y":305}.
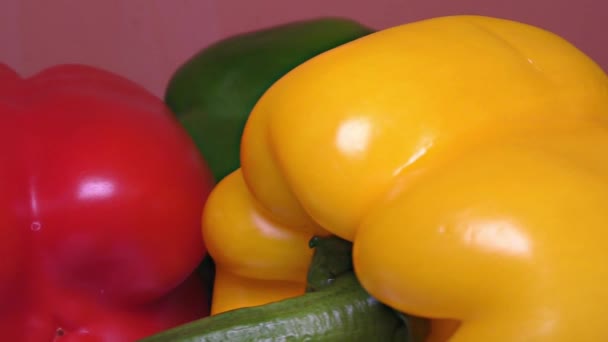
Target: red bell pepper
{"x":101,"y":194}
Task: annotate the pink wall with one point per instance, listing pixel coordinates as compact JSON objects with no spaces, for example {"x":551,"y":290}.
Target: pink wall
{"x":146,"y":40}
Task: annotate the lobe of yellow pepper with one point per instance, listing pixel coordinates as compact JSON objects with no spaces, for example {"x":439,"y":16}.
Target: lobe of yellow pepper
{"x":257,"y":259}
{"x":466,"y":157}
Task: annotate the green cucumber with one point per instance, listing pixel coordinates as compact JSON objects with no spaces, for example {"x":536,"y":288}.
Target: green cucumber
{"x":341,"y":312}
{"x":335,"y":308}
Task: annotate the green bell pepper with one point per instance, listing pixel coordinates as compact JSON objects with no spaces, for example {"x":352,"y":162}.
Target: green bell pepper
{"x":213,"y":92}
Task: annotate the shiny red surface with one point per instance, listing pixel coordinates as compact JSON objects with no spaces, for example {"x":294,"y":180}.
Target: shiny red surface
{"x":101,"y":194}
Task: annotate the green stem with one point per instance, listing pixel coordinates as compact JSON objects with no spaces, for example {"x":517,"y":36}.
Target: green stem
{"x":332,"y":257}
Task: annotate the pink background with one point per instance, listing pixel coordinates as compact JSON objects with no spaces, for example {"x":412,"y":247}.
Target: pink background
{"x":145,"y":40}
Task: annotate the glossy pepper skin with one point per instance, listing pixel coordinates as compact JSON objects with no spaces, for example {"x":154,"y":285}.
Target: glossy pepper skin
{"x":101,"y":197}
{"x":265,"y":260}
{"x":213,"y":92}
{"x":466,"y":159}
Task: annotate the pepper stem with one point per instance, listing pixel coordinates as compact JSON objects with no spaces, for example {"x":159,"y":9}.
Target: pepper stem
{"x":332,"y":257}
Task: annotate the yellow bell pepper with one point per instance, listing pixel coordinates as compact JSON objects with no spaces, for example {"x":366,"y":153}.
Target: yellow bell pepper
{"x":465,"y":157}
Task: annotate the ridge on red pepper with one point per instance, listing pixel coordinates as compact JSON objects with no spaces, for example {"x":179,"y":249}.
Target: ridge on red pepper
{"x":100,"y":205}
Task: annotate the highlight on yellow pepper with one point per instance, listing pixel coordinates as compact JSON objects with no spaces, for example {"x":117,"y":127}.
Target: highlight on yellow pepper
{"x":466,"y":158}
